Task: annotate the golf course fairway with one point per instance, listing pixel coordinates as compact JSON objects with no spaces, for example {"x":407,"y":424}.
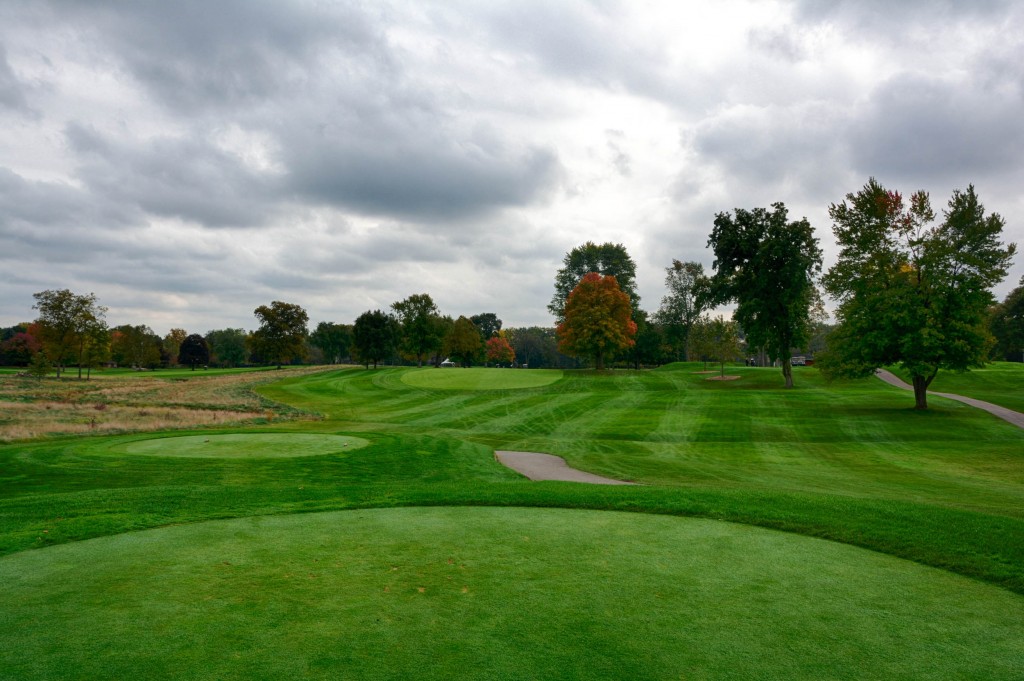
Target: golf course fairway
{"x":488,"y":593}
{"x":244,"y":445}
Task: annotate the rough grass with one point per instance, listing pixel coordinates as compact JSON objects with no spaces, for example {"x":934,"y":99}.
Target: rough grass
{"x":124,"y":402}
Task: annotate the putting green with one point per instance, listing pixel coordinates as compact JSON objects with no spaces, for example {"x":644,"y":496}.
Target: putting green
{"x":244,"y":445}
{"x":480,"y":378}
{"x":487,"y":593}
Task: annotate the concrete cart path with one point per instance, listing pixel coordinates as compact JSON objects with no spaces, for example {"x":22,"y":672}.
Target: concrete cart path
{"x":1014,"y":417}
{"x":548,"y":467}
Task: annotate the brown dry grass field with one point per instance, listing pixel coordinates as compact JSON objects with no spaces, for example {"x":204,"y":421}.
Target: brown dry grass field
{"x":124,"y":403}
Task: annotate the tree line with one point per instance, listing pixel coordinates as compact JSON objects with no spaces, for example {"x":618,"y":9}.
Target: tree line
{"x":71,"y":332}
{"x":909,"y":292}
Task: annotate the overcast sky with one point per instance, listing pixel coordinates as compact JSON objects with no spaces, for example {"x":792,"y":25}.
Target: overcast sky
{"x":189,"y":161}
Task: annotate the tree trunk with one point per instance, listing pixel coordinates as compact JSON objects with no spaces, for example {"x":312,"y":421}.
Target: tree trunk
{"x":921,"y":384}
{"x":599,"y":360}
{"x":787,"y":371}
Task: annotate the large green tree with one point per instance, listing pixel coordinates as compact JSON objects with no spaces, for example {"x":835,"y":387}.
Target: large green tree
{"x":912,"y":293}
{"x":598,"y":320}
{"x":422,"y":330}
{"x":374,"y":336}
{"x":228,"y":346}
{"x":194,"y":350}
{"x":68,"y":323}
{"x":463,"y":342}
{"x":715,"y":340}
{"x":282,"y":333}
{"x":135,"y":345}
{"x":608,"y":259}
{"x":767,"y":265}
{"x":487,"y":323}
{"x":1007,"y":325}
{"x":687,"y":298}
{"x":537,"y":347}
{"x":332,"y":339}
{"x":172,"y":344}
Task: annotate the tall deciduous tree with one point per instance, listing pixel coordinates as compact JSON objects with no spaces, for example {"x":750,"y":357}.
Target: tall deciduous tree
{"x":649,"y":340}
{"x":374,"y":336}
{"x":422,"y":335}
{"x":608,"y":259}
{"x":499,"y":351}
{"x":227,"y":346}
{"x":97,"y":348}
{"x":21,"y":346}
{"x":172,"y":344}
{"x":715,"y":340}
{"x":911,"y":293}
{"x":537,"y":346}
{"x":487,"y":323}
{"x":687,"y":298}
{"x":598,"y":320}
{"x":67,"y":323}
{"x":194,"y":350}
{"x":1007,"y":325}
{"x":463,"y":341}
{"x":135,"y":346}
{"x":333,"y":339}
{"x":767,"y":265}
{"x":282,"y":333}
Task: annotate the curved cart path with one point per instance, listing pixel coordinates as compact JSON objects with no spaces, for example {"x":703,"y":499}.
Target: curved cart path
{"x":1014,"y":417}
{"x":548,"y":467}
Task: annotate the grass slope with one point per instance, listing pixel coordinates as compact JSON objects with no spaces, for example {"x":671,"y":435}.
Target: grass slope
{"x":852,"y":462}
{"x":489,"y":593}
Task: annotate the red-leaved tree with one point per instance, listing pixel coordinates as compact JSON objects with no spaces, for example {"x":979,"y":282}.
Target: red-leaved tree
{"x":499,"y":351}
{"x":597,"y":320}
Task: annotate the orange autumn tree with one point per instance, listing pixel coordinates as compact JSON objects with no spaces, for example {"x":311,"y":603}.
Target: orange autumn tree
{"x":597,"y":320}
{"x":499,"y":351}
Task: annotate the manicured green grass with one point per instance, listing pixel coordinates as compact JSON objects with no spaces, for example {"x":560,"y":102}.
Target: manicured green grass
{"x":494,"y":593}
{"x":245,"y":445}
{"x":480,"y":378}
{"x":1000,"y":383}
{"x":850,"y":462}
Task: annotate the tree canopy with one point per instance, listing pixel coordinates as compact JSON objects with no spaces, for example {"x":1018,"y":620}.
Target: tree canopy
{"x":608,"y":259}
{"x":282,"y":333}
{"x":715,"y":340}
{"x":374,"y":336}
{"x":422,"y":330}
{"x":332,"y":339}
{"x":194,"y":350}
{"x":172,"y":344}
{"x":68,"y":324}
{"x":227,"y":346}
{"x":463,"y":341}
{"x":688,"y":297}
{"x":767,"y":265}
{"x":487,"y":323}
{"x":1007,"y":325}
{"x":499,"y":351}
{"x":910,"y":293}
{"x":135,"y":345}
{"x":598,"y":320}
